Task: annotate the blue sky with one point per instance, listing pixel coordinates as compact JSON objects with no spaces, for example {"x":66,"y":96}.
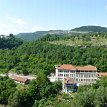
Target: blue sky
{"x":18,"y":16}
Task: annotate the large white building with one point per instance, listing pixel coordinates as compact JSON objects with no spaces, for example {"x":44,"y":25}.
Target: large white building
{"x":79,"y":74}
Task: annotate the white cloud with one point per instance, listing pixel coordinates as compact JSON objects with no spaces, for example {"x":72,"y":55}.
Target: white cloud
{"x":10,"y":24}
{"x":18,"y":21}
{"x":13,"y":25}
{"x":6,"y":29}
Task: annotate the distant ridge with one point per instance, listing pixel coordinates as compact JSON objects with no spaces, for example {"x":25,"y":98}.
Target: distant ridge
{"x":39,"y":34}
{"x":90,"y":29}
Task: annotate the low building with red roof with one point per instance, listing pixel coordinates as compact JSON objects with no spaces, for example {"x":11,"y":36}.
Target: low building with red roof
{"x":102,"y":74}
{"x":19,"y":79}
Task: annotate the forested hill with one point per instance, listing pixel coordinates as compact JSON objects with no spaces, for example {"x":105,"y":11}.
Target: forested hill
{"x":38,"y":34}
{"x":39,"y":56}
{"x":90,"y":29}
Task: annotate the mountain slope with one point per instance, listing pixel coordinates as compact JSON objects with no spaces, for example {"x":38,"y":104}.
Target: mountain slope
{"x":38,"y":34}
{"x":90,"y":29}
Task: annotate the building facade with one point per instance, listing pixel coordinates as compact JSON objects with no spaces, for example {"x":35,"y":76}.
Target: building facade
{"x":81,"y":75}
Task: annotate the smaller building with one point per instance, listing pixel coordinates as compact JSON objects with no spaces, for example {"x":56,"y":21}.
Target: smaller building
{"x":18,"y":79}
{"x":69,"y":85}
{"x":102,"y":74}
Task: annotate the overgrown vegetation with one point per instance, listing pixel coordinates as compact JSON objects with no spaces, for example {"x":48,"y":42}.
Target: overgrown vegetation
{"x":27,"y":95}
{"x":9,"y":42}
{"x":41,"y":56}
{"x":76,"y":39}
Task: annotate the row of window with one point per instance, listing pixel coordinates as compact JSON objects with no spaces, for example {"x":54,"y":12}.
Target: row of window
{"x":86,"y":80}
{"x":77,"y":75}
{"x":66,"y":71}
{"x":72,"y":71}
{"x":86,"y":75}
{"x":81,"y":80}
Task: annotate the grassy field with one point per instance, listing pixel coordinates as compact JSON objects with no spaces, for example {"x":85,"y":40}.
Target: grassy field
{"x":80,"y":42}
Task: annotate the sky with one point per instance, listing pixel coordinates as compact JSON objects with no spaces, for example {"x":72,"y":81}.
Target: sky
{"x":20,"y":16}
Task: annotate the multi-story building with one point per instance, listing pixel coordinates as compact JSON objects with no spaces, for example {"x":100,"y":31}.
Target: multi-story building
{"x":79,"y":74}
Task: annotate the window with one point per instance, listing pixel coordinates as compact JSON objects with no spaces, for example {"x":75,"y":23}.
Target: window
{"x":66,"y":71}
{"x":71,"y":71}
{"x":67,"y":75}
{"x":71,"y":75}
{"x":60,"y":78}
{"x":60,"y":74}
{"x":60,"y":71}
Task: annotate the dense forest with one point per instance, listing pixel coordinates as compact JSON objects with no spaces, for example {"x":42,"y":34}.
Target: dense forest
{"x":9,"y":42}
{"x":30,"y":95}
{"x":41,"y":55}
{"x":42,"y":93}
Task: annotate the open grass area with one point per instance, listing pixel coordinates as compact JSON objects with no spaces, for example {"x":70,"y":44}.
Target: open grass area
{"x":80,"y":42}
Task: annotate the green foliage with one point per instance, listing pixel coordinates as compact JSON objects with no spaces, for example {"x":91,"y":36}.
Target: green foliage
{"x":39,"y":56}
{"x":41,"y":34}
{"x":91,"y":29}
{"x":9,"y":42}
{"x":36,"y":35}
{"x":7,"y":87}
{"x":94,"y":95}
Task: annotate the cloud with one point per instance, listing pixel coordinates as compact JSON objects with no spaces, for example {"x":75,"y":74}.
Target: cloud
{"x":13,"y":25}
{"x":18,"y":21}
{"x":6,"y":29}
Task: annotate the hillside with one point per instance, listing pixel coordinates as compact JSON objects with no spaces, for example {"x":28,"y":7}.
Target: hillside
{"x":77,"y":39}
{"x":90,"y":29}
{"x":38,"y":34}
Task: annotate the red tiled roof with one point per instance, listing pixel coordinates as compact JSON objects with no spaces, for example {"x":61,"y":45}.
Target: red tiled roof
{"x":67,"y":67}
{"x":19,"y":79}
{"x":87,"y":68}
{"x":80,"y":68}
{"x":68,"y":80}
{"x":102,"y":74}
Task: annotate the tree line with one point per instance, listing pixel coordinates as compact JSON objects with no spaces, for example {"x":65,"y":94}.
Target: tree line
{"x":30,"y":95}
{"x":39,"y":56}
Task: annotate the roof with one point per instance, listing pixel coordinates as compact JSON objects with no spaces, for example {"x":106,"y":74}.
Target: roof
{"x":19,"y":79}
{"x":102,"y":74}
{"x":68,"y":80}
{"x":86,"y":68}
{"x":80,"y":68}
{"x":66,"y":67}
